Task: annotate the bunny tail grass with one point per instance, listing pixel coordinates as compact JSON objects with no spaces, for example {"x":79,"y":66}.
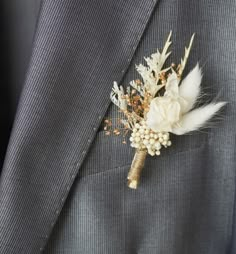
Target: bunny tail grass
{"x":190,"y":87}
{"x":197,"y":118}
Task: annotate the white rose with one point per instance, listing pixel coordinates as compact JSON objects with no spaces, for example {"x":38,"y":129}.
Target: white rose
{"x":163,"y":114}
{"x":165,"y":111}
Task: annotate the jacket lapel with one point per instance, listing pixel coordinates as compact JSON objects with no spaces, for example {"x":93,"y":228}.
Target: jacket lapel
{"x":80,"y":48}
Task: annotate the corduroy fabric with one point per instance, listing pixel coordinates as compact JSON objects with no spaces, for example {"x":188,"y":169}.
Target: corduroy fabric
{"x":185,"y":201}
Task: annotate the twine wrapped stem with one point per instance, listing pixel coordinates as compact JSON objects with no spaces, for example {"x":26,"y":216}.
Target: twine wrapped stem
{"x":136,"y":168}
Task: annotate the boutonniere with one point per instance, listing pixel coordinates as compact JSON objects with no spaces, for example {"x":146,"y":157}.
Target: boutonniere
{"x":158,"y":105}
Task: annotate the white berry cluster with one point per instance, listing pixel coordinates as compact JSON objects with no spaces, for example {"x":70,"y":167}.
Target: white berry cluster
{"x":143,"y":137}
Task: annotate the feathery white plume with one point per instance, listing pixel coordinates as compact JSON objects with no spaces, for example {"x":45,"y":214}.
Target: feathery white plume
{"x":196,"y":118}
{"x":190,"y":88}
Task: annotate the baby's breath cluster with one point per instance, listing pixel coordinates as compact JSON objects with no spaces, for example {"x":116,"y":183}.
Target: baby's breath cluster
{"x":143,"y":137}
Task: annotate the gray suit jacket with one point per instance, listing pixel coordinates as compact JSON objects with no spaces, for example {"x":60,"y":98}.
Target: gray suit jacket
{"x":63,"y":182}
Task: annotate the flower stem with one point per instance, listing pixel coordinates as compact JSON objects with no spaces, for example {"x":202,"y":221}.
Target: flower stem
{"x":136,"y":168}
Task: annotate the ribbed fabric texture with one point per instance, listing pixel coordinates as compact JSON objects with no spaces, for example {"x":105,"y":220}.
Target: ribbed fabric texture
{"x":185,"y":201}
{"x":79,"y":48}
